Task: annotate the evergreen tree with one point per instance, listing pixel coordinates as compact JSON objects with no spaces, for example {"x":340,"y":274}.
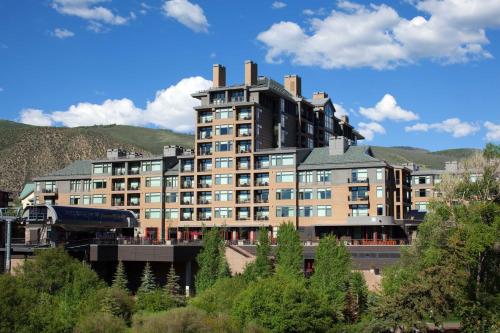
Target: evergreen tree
{"x":148,"y":283}
{"x":120,"y":278}
{"x":332,"y":266}
{"x":211,"y":260}
{"x":262,"y":262}
{"x":172,"y":287}
{"x":289,"y":256}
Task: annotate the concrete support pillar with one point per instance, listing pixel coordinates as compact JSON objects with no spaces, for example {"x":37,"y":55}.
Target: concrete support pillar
{"x":187,"y":277}
{"x":252,"y":236}
{"x":234,"y":235}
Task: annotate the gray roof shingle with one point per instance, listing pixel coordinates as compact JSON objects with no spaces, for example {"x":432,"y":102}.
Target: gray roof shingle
{"x":355,"y":154}
{"x":83,"y":167}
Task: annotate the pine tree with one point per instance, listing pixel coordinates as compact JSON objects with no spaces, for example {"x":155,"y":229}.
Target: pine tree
{"x":120,"y":278}
{"x":172,"y":287}
{"x":262,"y":266}
{"x":211,"y":260}
{"x":289,"y":256}
{"x":148,"y":283}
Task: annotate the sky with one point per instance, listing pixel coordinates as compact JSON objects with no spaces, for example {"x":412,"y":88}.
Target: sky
{"x":421,"y":73}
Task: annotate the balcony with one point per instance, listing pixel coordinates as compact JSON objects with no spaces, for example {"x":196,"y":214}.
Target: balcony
{"x":134,"y":187}
{"x":204,"y":218}
{"x":119,"y":172}
{"x":187,"y":168}
{"x":264,"y":182}
{"x":260,"y":199}
{"x":244,"y":183}
{"x":134,"y":171}
{"x":243,"y":200}
{"x":261,"y":217}
{"x":204,"y":185}
{"x":204,"y":201}
{"x":205,"y":167}
{"x":119,"y":187}
{"x":358,"y":198}
{"x":243,"y":150}
{"x":187,"y":218}
{"x":187,"y":185}
{"x":117,"y":203}
{"x":133,"y":203}
{"x":356,"y":180}
{"x":205,"y":152}
{"x":49,"y":190}
{"x":242,"y":218}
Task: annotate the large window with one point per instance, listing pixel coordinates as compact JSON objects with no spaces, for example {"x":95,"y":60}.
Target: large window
{"x":223,"y":212}
{"x":359,"y":210}
{"x":99,"y":184}
{"x":324,"y":210}
{"x":74,"y":185}
{"x":422,"y":206}
{"x":306,"y":211}
{"x":151,"y":166}
{"x":223,"y":145}
{"x":170,"y":197}
{"x":380,"y":192}
{"x":380,"y":174}
{"x":223,"y":179}
{"x":323,"y":176}
{"x":87,"y":200}
{"x":74,"y":199}
{"x":285,"y":211}
{"x":223,"y":129}
{"x":423,"y":180}
{"x":171,"y":214}
{"x":305,"y":194}
{"x":277,"y":160}
{"x":152,"y":213}
{"x":171,"y":181}
{"x":223,"y":195}
{"x":359,"y":175}
{"x":324,"y":193}
{"x":152,"y":197}
{"x":153,"y":181}
{"x":285,"y":194}
{"x":218,"y":97}
{"x":98,"y":199}
{"x":285,"y":177}
{"x":86,"y":185}
{"x":223,"y":113}
{"x":101,"y":168}
{"x":305,"y":177}
{"x":224,"y":162}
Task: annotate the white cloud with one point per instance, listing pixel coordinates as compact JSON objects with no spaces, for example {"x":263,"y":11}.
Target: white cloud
{"x":311,"y":12}
{"x":388,"y":108}
{"x":1,"y":89}
{"x":453,"y":126}
{"x":187,"y":13}
{"x":35,"y":117}
{"x":62,"y":33}
{"x":89,"y":10}
{"x":368,"y":130}
{"x":376,"y":36}
{"x":340,"y":110}
{"x":493,"y":131}
{"x":278,"y":5}
{"x":144,"y":8}
{"x":172,"y":108}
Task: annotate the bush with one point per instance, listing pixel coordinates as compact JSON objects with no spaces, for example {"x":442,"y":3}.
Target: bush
{"x":100,"y":322}
{"x":221,"y":296}
{"x":15,"y":304}
{"x":118,"y":303}
{"x":155,"y":301}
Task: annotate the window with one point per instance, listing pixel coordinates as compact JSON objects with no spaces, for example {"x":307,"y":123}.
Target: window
{"x":324,"y":210}
{"x":170,"y":197}
{"x":324,"y":193}
{"x":152,"y":213}
{"x":98,"y":199}
{"x":50,"y":187}
{"x":380,"y":210}
{"x":86,"y":185}
{"x":359,"y":193}
{"x":244,"y":114}
{"x":285,"y":177}
{"x":285,"y":211}
{"x":86,"y":200}
{"x":218,"y":97}
{"x":359,"y":175}
{"x":223,"y":179}
{"x":278,"y":160}
{"x":74,"y":185}
{"x":102,"y":168}
{"x":223,"y":162}
{"x":305,"y":194}
{"x":223,"y":129}
{"x":285,"y":194}
{"x":223,"y":113}
{"x":423,"y":180}
{"x":99,"y":184}
{"x":262,"y":162}
{"x":379,"y":174}
{"x":223,"y":145}
{"x":223,"y":212}
{"x":171,"y":182}
{"x":151,"y":166}
{"x":223,"y":195}
{"x":437,"y":179}
{"x":323,"y":176}
{"x":153,"y":181}
{"x":380,"y":192}
{"x":422,"y":206}
{"x":74,"y":199}
{"x":171,"y":214}
{"x":152,"y":197}
{"x":305,"y":177}
{"x":422,"y":193}
{"x":359,"y":210}
{"x":237,"y":96}
{"x":205,"y":117}
{"x":306,"y":211}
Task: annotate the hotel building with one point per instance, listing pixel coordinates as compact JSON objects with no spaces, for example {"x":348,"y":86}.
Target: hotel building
{"x":263,"y":155}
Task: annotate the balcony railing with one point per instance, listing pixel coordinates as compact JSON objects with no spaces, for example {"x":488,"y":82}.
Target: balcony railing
{"x":358,"y":180}
{"x":262,"y":217}
{"x":187,"y":202}
{"x":358,"y":197}
{"x":261,"y":200}
{"x":187,"y":185}
{"x":205,"y":120}
{"x":119,"y":188}
{"x":134,"y":171}
{"x":205,"y":168}
{"x":204,"y":218}
{"x":204,"y":201}
{"x":49,"y":190}
{"x":133,"y":203}
{"x":243,"y":150}
{"x":204,"y":185}
{"x":244,"y":117}
{"x":243,"y":166}
{"x":118,"y":203}
{"x":205,"y":152}
{"x":243,"y":200}
{"x":262,"y":183}
{"x":134,"y":188}
{"x":244,"y":184}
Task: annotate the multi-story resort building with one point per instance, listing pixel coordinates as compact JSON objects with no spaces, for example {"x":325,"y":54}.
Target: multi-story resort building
{"x":263,"y":155}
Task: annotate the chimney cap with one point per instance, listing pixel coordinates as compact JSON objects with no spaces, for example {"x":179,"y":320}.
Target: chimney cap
{"x":249,"y":61}
{"x":218,"y":65}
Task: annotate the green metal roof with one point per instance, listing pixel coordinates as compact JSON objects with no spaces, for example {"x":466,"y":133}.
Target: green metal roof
{"x":354,"y":154}
{"x":27,"y":190}
{"x":76,"y":168}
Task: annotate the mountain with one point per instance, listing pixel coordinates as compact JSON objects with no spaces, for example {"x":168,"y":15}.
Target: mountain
{"x":29,"y":151}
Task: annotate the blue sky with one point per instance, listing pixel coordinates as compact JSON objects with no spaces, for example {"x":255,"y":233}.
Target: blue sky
{"x":421,"y":73}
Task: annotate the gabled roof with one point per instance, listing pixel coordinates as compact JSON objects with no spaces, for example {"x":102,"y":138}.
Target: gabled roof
{"x":83,"y":167}
{"x":27,"y":190}
{"x":354,"y":154}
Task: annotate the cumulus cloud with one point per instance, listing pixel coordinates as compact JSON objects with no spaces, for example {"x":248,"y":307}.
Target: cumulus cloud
{"x":62,"y":33}
{"x":97,"y":16}
{"x":340,"y":110}
{"x":493,"y":131}
{"x":368,"y":130}
{"x":35,"y":117}
{"x":388,"y":108}
{"x":172,"y":108}
{"x":189,"y":14}
{"x":278,"y":5}
{"x":453,"y":126}
{"x":354,"y":35}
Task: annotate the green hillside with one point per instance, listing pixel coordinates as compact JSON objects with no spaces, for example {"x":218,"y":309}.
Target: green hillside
{"x":30,"y":151}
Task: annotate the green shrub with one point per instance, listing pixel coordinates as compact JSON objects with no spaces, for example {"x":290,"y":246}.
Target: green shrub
{"x":100,"y":322}
{"x":155,"y":301}
{"x":221,"y":296}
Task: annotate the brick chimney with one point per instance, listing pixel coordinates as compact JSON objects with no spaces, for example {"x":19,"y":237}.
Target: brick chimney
{"x":338,"y":145}
{"x":293,"y":84}
{"x":320,"y":95}
{"x":250,"y":73}
{"x":219,"y":76}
